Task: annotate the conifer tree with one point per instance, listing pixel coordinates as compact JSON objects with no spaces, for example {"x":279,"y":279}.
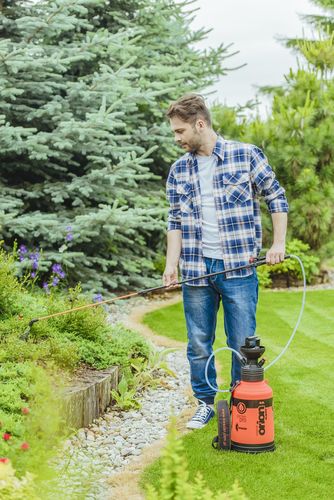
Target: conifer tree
{"x":323,"y":23}
{"x":84,"y":86}
{"x":300,"y":136}
{"x":297,"y":137}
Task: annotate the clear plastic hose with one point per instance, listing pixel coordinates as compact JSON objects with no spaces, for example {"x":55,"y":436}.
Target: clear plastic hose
{"x":283,"y":350}
{"x":207,"y":366}
{"x":299,"y":317}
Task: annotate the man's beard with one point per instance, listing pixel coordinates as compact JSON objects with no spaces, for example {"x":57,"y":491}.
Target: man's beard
{"x":195,"y":143}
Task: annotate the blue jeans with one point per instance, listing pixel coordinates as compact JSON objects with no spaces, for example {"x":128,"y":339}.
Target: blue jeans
{"x":201,"y":303}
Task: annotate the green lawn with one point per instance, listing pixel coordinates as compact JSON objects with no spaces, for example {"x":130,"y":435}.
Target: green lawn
{"x":303,"y":464}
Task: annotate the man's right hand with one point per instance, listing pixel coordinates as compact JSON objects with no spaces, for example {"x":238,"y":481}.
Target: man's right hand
{"x":170,"y":276}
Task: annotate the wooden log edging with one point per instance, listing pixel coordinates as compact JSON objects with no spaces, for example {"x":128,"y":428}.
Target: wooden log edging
{"x":89,"y":396}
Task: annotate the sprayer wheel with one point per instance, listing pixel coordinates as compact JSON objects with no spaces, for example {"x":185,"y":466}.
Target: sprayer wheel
{"x":224,"y":425}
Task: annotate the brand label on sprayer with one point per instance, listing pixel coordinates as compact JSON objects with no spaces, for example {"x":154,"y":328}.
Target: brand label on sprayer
{"x":252,"y":420}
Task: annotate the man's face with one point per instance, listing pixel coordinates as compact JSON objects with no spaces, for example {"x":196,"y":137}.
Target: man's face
{"x":186,"y":135}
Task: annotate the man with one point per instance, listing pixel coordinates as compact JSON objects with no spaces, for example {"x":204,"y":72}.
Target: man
{"x":214,"y":224}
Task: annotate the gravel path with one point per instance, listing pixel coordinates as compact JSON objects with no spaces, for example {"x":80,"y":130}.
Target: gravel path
{"x":114,"y":441}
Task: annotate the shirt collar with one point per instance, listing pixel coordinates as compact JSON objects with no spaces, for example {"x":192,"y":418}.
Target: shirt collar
{"x":217,"y":150}
{"x":219,"y":147}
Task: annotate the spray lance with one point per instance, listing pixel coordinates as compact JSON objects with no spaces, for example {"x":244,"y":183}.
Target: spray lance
{"x":254,"y":262}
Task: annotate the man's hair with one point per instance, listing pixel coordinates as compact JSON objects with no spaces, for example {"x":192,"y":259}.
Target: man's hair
{"x":190,"y":108}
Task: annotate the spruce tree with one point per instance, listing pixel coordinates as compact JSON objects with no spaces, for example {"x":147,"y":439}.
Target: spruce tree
{"x":84,"y":86}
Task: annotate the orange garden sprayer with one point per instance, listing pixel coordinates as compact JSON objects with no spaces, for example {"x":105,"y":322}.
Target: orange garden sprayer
{"x":248,"y":424}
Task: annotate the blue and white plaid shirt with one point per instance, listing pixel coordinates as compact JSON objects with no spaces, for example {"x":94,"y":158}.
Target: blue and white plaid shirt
{"x":242,"y":173}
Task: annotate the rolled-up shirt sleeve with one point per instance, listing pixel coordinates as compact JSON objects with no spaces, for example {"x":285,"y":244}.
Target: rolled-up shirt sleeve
{"x":265,"y":183}
{"x":174,"y":212}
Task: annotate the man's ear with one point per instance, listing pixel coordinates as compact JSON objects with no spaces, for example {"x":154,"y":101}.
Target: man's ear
{"x":200,"y":124}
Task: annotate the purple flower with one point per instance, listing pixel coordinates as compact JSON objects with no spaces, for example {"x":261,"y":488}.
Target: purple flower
{"x":33,"y":274}
{"x":69,"y":228}
{"x":22,"y":251}
{"x":46,"y":287}
{"x":55,"y":281}
{"x":56,"y":268}
{"x":98,"y":297}
{"x":34,"y":257}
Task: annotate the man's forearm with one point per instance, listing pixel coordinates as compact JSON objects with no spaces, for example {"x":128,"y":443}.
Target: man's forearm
{"x":277,"y":251}
{"x":173,"y":247}
{"x":280,"y":221}
{"x":174,"y":240}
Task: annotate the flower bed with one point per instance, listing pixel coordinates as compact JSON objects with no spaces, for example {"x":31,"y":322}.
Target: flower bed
{"x":34,"y":372}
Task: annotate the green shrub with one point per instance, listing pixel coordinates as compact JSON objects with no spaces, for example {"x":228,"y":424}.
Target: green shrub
{"x":64,"y":353}
{"x":11,"y":326}
{"x":118,"y":347}
{"x":326,"y":253}
{"x":88,"y":324}
{"x":9,"y":285}
{"x":13,"y":488}
{"x":291,"y":267}
{"x":99,"y":346}
{"x":81,"y":337}
{"x":29,"y":415}
{"x":58,"y":351}
{"x":263,"y":274}
{"x":175,"y":482}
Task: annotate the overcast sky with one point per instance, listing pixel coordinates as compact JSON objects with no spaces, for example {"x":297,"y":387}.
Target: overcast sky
{"x":252,"y":26}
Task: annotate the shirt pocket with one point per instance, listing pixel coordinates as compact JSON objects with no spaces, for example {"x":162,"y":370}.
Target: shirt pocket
{"x":237,"y":187}
{"x":185,"y":197}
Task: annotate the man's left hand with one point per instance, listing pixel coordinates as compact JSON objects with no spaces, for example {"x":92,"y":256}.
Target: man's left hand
{"x":275,"y":254}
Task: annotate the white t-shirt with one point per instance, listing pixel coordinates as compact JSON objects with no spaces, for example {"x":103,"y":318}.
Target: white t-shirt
{"x":212,"y":246}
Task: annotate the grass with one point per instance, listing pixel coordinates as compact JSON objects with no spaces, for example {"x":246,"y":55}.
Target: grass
{"x":302,"y":465}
